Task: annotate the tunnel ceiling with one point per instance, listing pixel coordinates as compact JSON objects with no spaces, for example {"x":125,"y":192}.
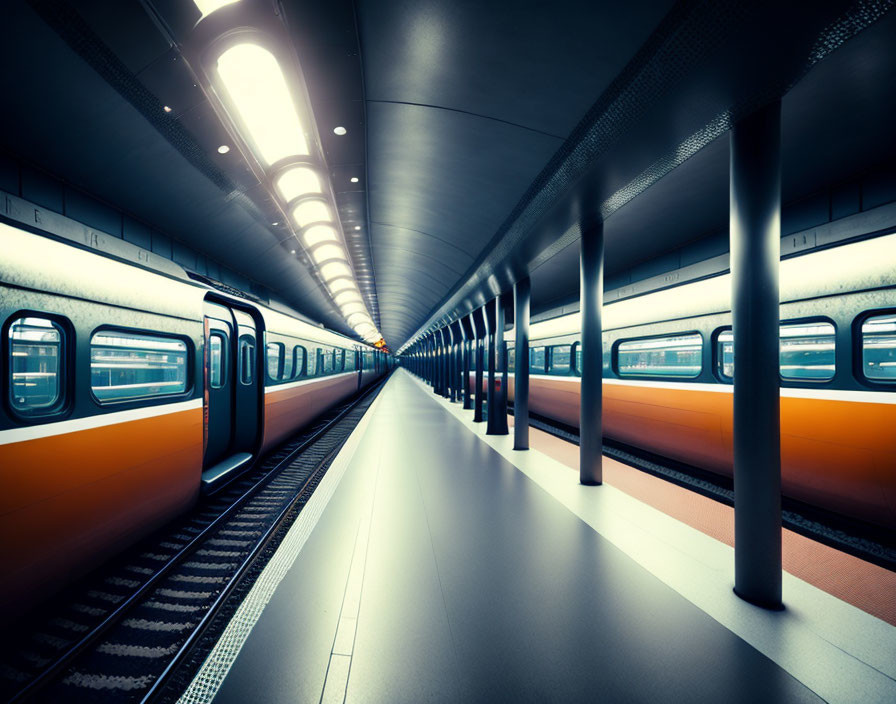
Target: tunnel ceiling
{"x":483,"y":135}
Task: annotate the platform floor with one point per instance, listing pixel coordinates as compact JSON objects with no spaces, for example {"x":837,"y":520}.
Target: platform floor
{"x":434,"y":564}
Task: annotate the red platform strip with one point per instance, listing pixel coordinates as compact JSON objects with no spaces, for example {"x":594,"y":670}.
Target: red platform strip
{"x":851,"y":579}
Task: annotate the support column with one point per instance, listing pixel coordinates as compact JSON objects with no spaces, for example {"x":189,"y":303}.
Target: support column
{"x":467,"y":328}
{"x":755,"y":255}
{"x":521,"y":297}
{"x":592,"y":298}
{"x":444,"y":362}
{"x":481,"y":337}
{"x":452,"y":382}
{"x":497,"y":399}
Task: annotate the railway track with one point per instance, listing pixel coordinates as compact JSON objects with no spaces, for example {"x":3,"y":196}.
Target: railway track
{"x":122,"y":632}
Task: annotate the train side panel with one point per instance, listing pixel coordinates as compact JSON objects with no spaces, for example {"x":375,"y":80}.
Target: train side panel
{"x":73,"y":499}
{"x":290,"y":406}
{"x":835,"y":453}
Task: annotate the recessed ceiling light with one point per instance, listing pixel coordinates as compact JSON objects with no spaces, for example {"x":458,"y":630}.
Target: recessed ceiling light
{"x":275,"y":223}
{"x":292,"y":251}
{"x":339,"y":130}
{"x":354,"y":179}
{"x":166,"y":108}
{"x":357,"y":227}
{"x":223,"y":149}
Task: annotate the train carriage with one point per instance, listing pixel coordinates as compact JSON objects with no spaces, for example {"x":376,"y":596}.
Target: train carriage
{"x":127,"y":392}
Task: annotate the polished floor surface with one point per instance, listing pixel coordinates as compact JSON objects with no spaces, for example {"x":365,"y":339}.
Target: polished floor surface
{"x":429,"y":568}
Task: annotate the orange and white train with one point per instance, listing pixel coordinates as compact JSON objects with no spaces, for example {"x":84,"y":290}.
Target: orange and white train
{"x":668,"y":367}
{"x":125,"y":391}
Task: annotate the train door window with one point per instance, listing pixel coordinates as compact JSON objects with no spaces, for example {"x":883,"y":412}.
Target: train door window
{"x":274,"y":354}
{"x":807,"y":351}
{"x":879,"y":348}
{"x":129,"y":367}
{"x":672,"y":356}
{"x":725,"y":355}
{"x":217,"y":360}
{"x":247,"y":359}
{"x":561,"y":356}
{"x":511,"y":358}
{"x":36,"y":351}
{"x":340,"y":360}
{"x":536,"y":360}
{"x":288,"y":361}
{"x":299,"y":354}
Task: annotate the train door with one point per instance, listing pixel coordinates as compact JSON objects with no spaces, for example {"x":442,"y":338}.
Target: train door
{"x":219,"y":377}
{"x":233,"y":391}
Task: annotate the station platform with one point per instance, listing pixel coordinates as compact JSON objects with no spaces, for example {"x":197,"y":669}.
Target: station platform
{"x":435,"y":564}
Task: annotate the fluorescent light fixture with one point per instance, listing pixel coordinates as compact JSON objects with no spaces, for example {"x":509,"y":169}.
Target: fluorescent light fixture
{"x":357,"y":227}
{"x":298,"y":182}
{"x":256,"y":86}
{"x":327,"y":251}
{"x":311,"y":211}
{"x":223,"y":149}
{"x":354,"y":307}
{"x":333,"y":270}
{"x":347,"y":296}
{"x":339,"y":130}
{"x":357,"y":319}
{"x":207,"y":7}
{"x":340,"y":285}
{"x":354,"y":179}
{"x":319,"y":233}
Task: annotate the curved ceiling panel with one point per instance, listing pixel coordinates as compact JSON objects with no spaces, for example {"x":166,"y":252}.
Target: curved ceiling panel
{"x":537,"y":64}
{"x":441,"y":182}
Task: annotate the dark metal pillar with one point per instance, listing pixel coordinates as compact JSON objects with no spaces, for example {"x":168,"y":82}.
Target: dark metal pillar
{"x":592,"y":297}
{"x":444,"y":362}
{"x":521,"y":297}
{"x":497,"y":397}
{"x":452,"y":383}
{"x":755,"y":254}
{"x":435,"y":362}
{"x":481,"y":323}
{"x":467,"y":327}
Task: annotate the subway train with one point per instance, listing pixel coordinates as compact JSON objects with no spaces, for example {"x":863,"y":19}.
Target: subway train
{"x":126,"y":392}
{"x":668,"y":366}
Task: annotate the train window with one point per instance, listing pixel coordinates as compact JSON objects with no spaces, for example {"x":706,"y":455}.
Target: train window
{"x":511,"y":358}
{"x":340,"y":360}
{"x":561,"y":355}
{"x":350,"y":360}
{"x":675,"y":356}
{"x":216,"y":360}
{"x":879,"y":348}
{"x":536,"y":360}
{"x":274,"y":355}
{"x":298,"y":354}
{"x":128,"y":367}
{"x":312,"y":362}
{"x":807,"y":351}
{"x":247,"y":359}
{"x":327,"y":358}
{"x":35,"y":366}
